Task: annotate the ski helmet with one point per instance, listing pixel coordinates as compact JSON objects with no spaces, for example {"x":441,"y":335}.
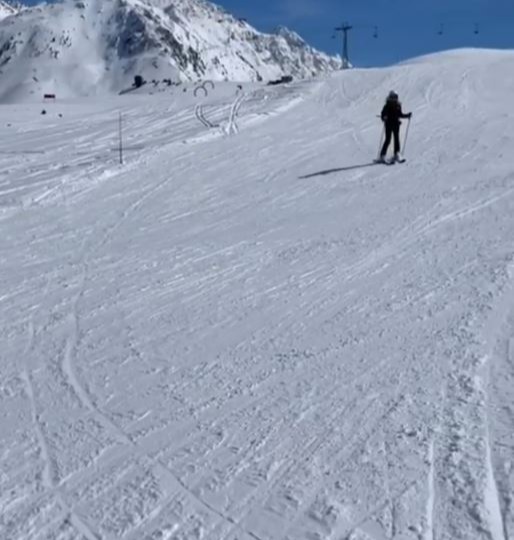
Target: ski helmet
{"x":393,"y":96}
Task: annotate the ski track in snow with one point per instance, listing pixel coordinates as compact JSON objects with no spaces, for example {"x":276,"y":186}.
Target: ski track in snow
{"x":249,"y":332}
{"x":48,"y":474}
{"x":500,"y":444}
{"x":429,"y":526}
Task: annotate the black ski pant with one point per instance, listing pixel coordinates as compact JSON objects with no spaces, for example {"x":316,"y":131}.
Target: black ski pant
{"x":391,"y":130}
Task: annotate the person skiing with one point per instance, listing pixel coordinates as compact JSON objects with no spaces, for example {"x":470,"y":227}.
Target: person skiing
{"x":391,"y":115}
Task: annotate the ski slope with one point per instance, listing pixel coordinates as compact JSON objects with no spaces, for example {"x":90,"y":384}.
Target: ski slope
{"x":249,"y":332}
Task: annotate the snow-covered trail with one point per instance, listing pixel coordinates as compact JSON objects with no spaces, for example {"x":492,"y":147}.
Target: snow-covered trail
{"x":73,"y":146}
{"x":263,"y":336}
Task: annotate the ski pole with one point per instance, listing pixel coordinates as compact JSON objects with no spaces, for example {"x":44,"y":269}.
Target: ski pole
{"x":382,"y":137}
{"x":406,"y":136}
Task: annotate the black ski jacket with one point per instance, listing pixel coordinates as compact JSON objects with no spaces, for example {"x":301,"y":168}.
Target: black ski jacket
{"x":392,"y":112}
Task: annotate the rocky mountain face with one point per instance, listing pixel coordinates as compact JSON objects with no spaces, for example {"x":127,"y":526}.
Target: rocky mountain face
{"x":84,"y":47}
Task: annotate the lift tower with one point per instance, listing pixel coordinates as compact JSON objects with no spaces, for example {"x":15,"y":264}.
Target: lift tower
{"x":345,"y":29}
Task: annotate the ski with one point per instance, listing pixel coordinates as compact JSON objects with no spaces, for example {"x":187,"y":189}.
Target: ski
{"x":383,"y":161}
{"x":390,"y":161}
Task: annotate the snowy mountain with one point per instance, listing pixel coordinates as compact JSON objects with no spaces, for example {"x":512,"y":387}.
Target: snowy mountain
{"x":97,"y":46}
{"x":7,"y":9}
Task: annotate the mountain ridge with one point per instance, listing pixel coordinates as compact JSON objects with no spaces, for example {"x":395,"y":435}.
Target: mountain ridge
{"x":84,"y":47}
{"x":7,"y":9}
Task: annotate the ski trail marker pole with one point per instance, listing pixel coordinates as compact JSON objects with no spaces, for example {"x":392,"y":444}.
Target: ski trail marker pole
{"x":121,"y":140}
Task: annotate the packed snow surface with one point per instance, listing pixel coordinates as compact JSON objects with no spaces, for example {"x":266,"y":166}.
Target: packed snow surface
{"x":251,"y":332}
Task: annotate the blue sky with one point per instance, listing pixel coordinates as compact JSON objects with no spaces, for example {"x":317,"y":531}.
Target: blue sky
{"x":406,"y":28}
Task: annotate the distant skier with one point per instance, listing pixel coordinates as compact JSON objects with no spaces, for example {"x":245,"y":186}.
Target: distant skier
{"x":391,"y":115}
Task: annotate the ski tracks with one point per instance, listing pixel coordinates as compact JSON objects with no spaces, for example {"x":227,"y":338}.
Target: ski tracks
{"x":429,"y":532}
{"x":50,"y":482}
{"x":77,"y":276}
{"x":499,"y":384}
{"x":87,"y":401}
{"x":200,"y":116}
{"x":229,"y":127}
{"x":49,"y":466}
{"x":252,"y":448}
{"x":475,"y":440}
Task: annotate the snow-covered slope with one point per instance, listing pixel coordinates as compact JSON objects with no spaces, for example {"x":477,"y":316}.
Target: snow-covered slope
{"x":264,"y":335}
{"x":6,"y":10}
{"x":83,"y":47}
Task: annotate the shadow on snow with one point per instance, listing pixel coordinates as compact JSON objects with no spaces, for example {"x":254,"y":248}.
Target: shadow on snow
{"x":340,"y":169}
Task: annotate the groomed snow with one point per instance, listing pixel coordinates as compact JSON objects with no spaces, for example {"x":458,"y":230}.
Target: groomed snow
{"x":250,"y":332}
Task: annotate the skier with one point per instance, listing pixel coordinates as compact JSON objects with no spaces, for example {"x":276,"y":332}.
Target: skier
{"x":391,"y":114}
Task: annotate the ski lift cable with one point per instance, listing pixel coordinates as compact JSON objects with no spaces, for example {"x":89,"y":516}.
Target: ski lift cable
{"x":443,"y":27}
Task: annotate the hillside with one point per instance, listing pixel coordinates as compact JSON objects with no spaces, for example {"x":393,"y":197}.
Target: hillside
{"x":251,"y":331}
{"x":94,"y":47}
